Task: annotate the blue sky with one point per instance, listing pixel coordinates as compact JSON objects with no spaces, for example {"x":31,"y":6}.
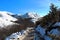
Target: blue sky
{"x":22,"y":6}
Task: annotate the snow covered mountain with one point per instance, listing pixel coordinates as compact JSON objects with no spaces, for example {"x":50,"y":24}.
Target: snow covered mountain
{"x":32,"y":15}
{"x":6,"y":18}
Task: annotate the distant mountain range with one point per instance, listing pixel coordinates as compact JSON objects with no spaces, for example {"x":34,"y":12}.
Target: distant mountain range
{"x":7,"y":18}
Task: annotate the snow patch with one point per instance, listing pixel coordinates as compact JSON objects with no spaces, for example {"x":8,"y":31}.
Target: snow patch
{"x":55,"y":32}
{"x":40,"y":30}
{"x":57,"y":24}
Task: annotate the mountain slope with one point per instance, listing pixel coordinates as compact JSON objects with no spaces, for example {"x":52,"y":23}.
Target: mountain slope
{"x":5,"y":18}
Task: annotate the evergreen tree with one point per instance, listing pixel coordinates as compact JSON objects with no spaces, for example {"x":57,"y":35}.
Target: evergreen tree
{"x":53,"y":12}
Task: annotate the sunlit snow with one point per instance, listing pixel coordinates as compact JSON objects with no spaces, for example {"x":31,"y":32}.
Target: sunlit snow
{"x":5,"y":18}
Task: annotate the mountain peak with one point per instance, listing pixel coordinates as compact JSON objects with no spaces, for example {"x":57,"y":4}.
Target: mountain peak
{"x":32,"y":15}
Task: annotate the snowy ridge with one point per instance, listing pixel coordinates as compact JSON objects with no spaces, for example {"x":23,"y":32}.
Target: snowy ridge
{"x":5,"y":18}
{"x":32,"y":15}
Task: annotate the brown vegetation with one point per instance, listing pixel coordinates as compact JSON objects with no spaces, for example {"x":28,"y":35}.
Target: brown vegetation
{"x":21,"y":25}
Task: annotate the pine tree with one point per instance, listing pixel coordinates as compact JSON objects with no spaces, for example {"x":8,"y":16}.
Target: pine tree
{"x":53,"y":12}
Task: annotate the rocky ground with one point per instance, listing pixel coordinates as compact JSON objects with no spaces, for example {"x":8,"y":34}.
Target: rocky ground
{"x":30,"y":35}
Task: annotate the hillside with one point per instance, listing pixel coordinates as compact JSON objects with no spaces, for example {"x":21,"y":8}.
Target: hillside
{"x":10,"y":23}
{"x":50,"y":25}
